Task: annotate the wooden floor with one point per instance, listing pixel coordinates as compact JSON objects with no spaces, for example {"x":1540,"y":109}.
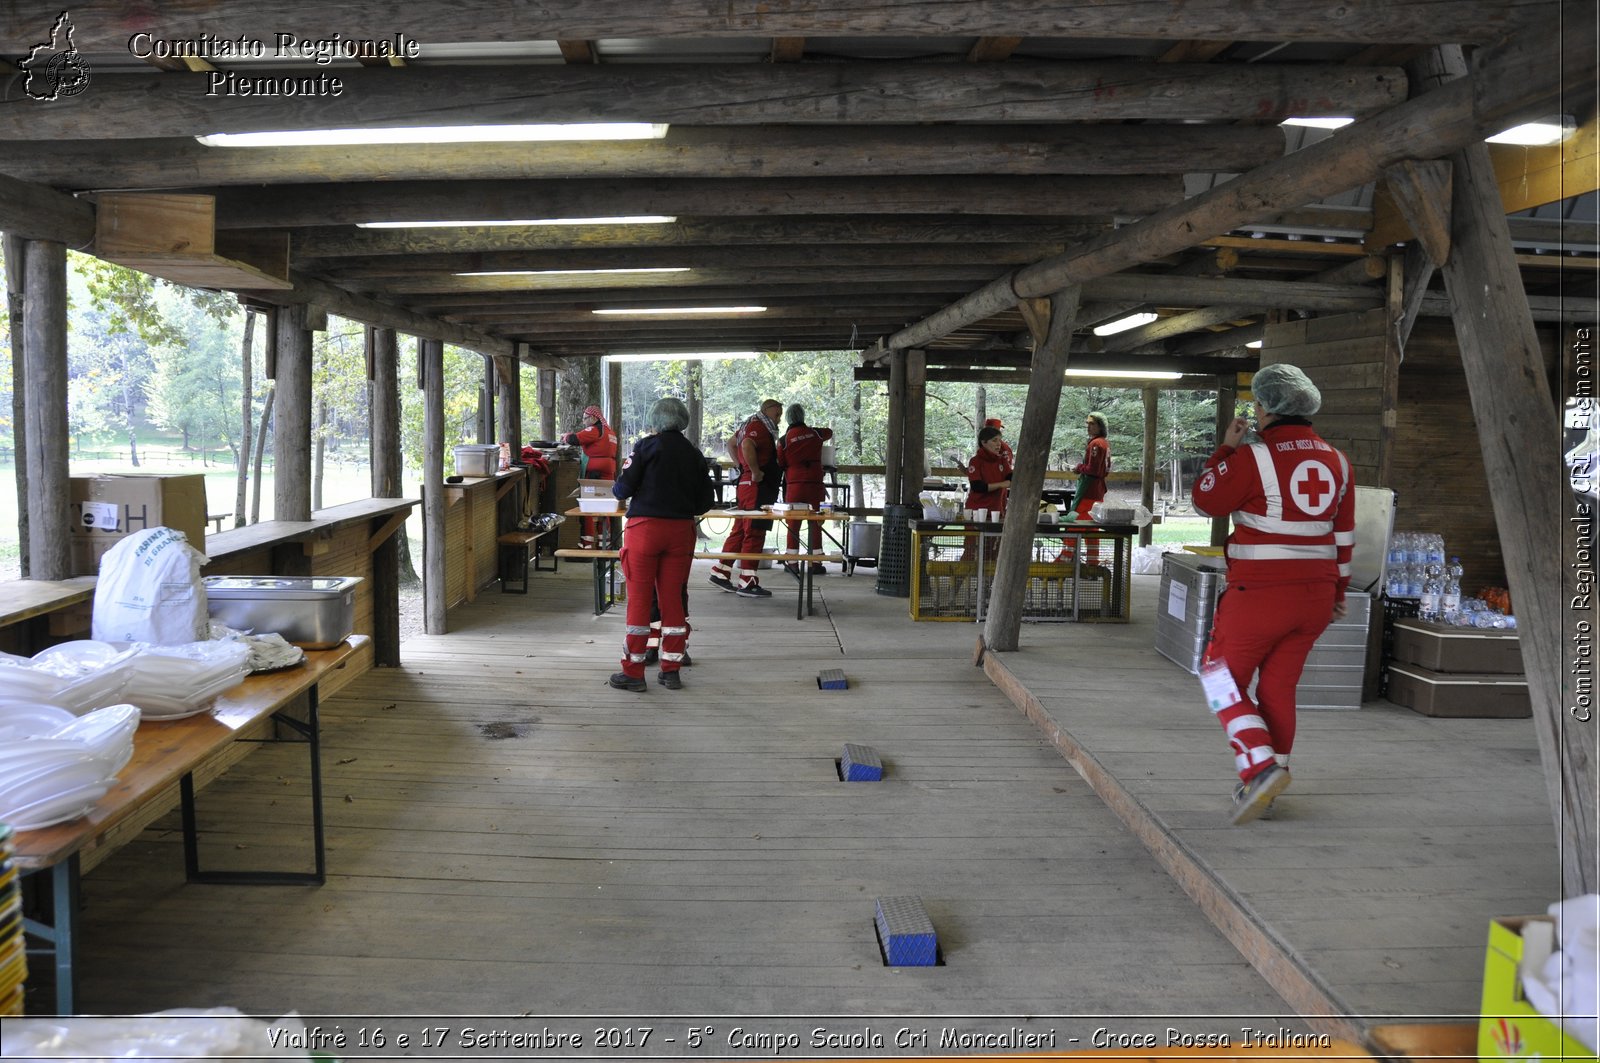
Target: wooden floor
{"x":508,"y":835}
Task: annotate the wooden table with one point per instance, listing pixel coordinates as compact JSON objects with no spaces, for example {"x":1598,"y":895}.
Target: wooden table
{"x":165,"y":752}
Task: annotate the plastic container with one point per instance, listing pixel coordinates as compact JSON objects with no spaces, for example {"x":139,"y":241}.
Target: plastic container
{"x":313,"y":612}
{"x":477,"y":459}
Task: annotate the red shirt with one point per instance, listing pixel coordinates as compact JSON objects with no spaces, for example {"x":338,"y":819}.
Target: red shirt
{"x":1294,"y":515}
{"x":755,"y":430}
{"x":801,"y":453}
{"x":987,"y":468}
{"x":1095,"y":465}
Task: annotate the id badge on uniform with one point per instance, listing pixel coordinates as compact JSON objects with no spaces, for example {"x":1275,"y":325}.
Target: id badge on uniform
{"x":1221,"y":691}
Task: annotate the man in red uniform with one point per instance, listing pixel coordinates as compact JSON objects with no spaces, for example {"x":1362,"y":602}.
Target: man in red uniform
{"x":800,"y":454}
{"x":599,"y":444}
{"x":1094,"y":467}
{"x":755,"y":447}
{"x":1294,"y":518}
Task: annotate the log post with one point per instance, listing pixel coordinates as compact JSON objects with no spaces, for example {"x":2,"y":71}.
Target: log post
{"x":697,"y":401}
{"x":894,"y":430}
{"x":913,"y":455}
{"x":387,"y":470}
{"x":486,"y":401}
{"x":431,"y":361}
{"x":291,"y":417}
{"x":1147,"y":471}
{"x":14,"y":250}
{"x":614,"y":398}
{"x":547,"y":404}
{"x":1003,"y":624}
{"x":1513,"y":407}
{"x":1227,"y":402}
{"x":509,"y":371}
{"x":44,"y":354}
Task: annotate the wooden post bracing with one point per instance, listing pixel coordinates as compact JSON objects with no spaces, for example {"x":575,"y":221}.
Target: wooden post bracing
{"x":387,"y":472}
{"x":44,"y":354}
{"x":547,"y":404}
{"x":291,"y":417}
{"x":1003,"y":625}
{"x":509,"y":388}
{"x":487,"y":395}
{"x":913,"y":455}
{"x":895,"y":430}
{"x":430,"y":356}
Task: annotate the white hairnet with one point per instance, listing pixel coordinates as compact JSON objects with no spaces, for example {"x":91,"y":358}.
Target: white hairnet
{"x":1285,"y":390}
{"x":669,"y":414}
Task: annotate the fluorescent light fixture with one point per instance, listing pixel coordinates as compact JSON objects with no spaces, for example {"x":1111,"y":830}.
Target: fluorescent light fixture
{"x":1123,"y":324}
{"x":680,"y":311}
{"x":435,"y":134}
{"x":1127,"y":374}
{"x":692,"y":356}
{"x":1254,"y":345}
{"x":1318,"y":123}
{"x":1537,"y":134}
{"x":631,"y":219}
{"x":571,"y":272}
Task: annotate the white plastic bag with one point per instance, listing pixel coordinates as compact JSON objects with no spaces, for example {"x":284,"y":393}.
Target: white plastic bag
{"x":150,"y":590}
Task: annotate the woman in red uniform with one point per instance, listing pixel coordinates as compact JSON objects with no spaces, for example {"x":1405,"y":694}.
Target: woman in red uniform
{"x":1094,"y":467}
{"x":800,"y":453}
{"x":599,"y":444}
{"x":667,"y":487}
{"x":989,"y":474}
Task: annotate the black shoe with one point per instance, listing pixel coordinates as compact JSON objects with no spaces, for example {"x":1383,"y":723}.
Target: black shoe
{"x":793,"y":569}
{"x":624,"y":681}
{"x":652,"y":655}
{"x":670,"y":680}
{"x":686,"y":662}
{"x":722,"y":581}
{"x":818,"y":568}
{"x":754,"y":590}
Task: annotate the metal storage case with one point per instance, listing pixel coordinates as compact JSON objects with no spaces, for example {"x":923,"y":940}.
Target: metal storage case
{"x":477,"y":459}
{"x":314,"y":612}
{"x":1190,"y":584}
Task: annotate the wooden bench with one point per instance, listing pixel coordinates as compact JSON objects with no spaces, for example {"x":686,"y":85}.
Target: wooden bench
{"x":167,"y":754}
{"x":519,"y":550}
{"x":605,"y":572}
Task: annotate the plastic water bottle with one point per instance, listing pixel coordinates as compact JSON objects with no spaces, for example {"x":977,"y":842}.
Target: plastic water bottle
{"x":1416,"y":552}
{"x":1432,"y":594}
{"x":1435,"y":550}
{"x":1451,"y":603}
{"x":1455,"y":568}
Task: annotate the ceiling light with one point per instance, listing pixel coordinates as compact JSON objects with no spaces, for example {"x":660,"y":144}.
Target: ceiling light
{"x":452,"y":134}
{"x":1318,"y":123}
{"x":675,"y":311}
{"x":571,"y":272}
{"x":632,"y":219}
{"x":1123,"y":324}
{"x":693,"y":356}
{"x":1128,"y":374}
{"x":1537,"y":134}
{"x":1254,"y":345}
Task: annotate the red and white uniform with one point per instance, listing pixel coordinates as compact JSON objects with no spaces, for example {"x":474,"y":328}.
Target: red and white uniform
{"x":599,"y":445}
{"x":800,"y":454}
{"x":1294,"y":518}
{"x":1092,"y":472}
{"x":750,"y":536}
{"x":984,"y":469}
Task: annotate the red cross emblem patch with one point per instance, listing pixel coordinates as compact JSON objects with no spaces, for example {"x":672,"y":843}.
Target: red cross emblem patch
{"x":1312,"y":489}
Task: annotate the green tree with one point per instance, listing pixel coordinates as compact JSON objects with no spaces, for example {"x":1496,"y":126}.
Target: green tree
{"x":195,"y":385}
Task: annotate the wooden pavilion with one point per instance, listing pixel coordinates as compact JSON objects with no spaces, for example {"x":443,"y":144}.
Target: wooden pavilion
{"x":960,"y":191}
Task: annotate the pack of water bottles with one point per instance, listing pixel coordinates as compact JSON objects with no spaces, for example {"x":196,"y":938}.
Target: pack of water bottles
{"x":1419,"y":569}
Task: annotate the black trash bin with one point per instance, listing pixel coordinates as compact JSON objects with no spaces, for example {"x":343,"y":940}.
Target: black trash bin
{"x":894,"y":553}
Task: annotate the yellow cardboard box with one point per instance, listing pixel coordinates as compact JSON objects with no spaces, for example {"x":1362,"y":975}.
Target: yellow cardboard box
{"x":1509,"y":1027}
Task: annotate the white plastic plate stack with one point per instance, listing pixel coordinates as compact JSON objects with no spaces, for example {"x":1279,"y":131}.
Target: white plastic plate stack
{"x":171,"y":682}
{"x":76,"y":676}
{"x":57,"y":776}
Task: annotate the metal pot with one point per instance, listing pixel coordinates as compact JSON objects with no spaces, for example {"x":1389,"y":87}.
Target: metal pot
{"x":865,"y":539}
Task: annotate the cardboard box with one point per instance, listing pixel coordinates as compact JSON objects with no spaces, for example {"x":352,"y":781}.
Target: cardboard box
{"x":1459,"y":694}
{"x":105,"y":508}
{"x":1456,"y":649}
{"x":1509,"y":1027}
{"x":594,"y":489}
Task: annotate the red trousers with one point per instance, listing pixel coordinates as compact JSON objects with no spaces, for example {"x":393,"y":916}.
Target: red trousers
{"x":815,"y":494}
{"x":748,"y":536}
{"x":656,"y":555}
{"x":1267,"y":628}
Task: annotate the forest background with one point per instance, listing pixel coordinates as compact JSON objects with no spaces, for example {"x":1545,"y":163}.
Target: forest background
{"x":160,"y":377}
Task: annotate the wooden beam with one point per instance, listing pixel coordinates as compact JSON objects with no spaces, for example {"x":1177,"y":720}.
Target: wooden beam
{"x":1036,"y":314}
{"x":1194,"y":51}
{"x":291,"y":418}
{"x":686,"y":151}
{"x":894,"y":91}
{"x":992,"y":49}
{"x":106,"y":25}
{"x":787,"y":50}
{"x":894,"y":470}
{"x":1513,"y":82}
{"x":45,"y":434}
{"x":430,"y":363}
{"x":579,"y":52}
{"x":284,"y":206}
{"x":1169,"y":290}
{"x":35,"y":212}
{"x":330,"y":243}
{"x":1422,"y":190}
{"x":1147,"y":470}
{"x":695,"y":278}
{"x":914,"y":446}
{"x":1004,"y":620}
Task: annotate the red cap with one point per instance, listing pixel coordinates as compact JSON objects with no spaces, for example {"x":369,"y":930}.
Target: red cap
{"x":994,"y":422}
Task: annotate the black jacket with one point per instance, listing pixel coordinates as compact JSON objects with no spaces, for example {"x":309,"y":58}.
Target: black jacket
{"x":665,"y":477}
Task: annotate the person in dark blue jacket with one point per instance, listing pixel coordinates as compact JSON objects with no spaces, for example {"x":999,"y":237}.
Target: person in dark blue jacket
{"x":666,"y":487}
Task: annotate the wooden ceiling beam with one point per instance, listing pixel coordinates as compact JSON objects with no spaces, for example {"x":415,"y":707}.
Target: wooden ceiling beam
{"x":699,"y":151}
{"x":128,"y":106}
{"x":286,"y":206}
{"x":105,"y":25}
{"x":578,"y":52}
{"x":35,"y":212}
{"x":992,"y":49}
{"x":869,"y":275}
{"x":787,"y":50}
{"x":335,"y":242}
{"x":723,"y":295}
